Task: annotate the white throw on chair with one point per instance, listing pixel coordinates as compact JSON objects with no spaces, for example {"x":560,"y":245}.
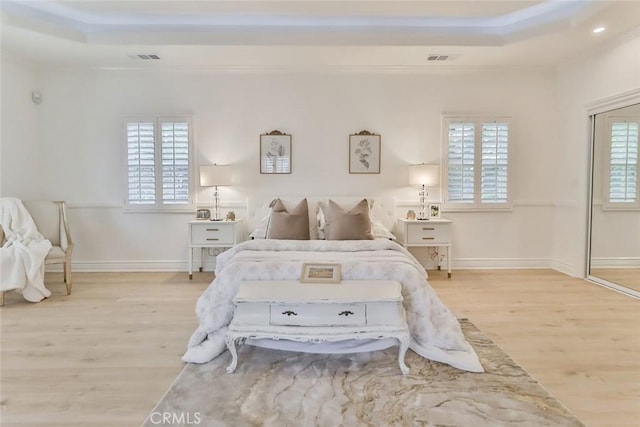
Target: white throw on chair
{"x":50,"y":218}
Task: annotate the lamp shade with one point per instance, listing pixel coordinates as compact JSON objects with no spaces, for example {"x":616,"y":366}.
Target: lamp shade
{"x":427,"y":175}
{"x":213,"y":175}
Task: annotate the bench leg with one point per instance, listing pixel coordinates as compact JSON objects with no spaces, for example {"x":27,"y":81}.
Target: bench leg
{"x":404,"y":346}
{"x":231,"y":345}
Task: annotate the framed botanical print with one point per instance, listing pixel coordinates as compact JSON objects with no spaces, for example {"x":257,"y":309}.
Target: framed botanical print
{"x":364,"y":152}
{"x":275,"y":152}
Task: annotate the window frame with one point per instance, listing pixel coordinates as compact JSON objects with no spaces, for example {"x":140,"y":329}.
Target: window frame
{"x":159,"y":205}
{"x":477,"y":204}
{"x":607,"y":205}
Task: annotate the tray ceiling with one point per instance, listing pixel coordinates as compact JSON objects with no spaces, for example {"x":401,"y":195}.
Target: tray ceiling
{"x":238,"y":33}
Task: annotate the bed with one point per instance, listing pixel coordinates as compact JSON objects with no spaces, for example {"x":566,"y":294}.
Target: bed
{"x":336,"y":233}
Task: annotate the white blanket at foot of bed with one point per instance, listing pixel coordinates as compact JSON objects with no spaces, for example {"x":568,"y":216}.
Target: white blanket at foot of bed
{"x":435,"y":332}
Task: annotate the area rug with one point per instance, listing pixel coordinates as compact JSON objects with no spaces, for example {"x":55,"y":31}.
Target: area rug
{"x":280,"y":388}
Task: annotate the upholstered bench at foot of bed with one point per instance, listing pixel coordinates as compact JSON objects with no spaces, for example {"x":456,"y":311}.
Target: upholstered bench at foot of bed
{"x":319,"y":313}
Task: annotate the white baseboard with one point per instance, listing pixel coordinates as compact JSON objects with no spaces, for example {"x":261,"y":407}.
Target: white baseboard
{"x":619,"y":262}
{"x":500,"y":263}
{"x":566,"y":268}
{"x":132,"y":266}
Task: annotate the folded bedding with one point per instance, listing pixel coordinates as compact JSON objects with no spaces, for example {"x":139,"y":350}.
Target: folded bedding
{"x":435,"y":332}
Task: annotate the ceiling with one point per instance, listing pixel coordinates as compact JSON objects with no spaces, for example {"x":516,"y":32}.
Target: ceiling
{"x":318,"y":34}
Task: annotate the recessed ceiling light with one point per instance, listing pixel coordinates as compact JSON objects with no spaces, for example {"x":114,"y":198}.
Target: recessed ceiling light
{"x":599,"y":29}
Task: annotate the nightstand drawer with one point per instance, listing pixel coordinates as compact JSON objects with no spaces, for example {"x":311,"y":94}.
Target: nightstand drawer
{"x":212,"y":233}
{"x":318,"y":314}
{"x":428,"y":233}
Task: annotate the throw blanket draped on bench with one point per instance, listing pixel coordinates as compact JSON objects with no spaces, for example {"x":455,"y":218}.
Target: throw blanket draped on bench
{"x":22,"y":254}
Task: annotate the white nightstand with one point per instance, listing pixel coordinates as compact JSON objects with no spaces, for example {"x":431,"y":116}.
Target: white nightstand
{"x":205,"y":234}
{"x":428,"y":233}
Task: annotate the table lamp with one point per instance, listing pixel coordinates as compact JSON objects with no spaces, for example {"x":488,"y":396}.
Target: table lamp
{"x":424,"y":176}
{"x":215,"y":176}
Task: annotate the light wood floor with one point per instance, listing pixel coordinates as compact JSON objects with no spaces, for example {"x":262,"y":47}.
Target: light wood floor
{"x":629,"y":277}
{"x":106,"y":354}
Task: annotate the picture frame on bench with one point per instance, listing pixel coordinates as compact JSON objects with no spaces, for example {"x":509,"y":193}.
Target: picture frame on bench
{"x":321,"y":273}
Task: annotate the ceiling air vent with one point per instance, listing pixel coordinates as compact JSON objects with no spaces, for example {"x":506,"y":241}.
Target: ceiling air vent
{"x":438,"y":57}
{"x":144,"y":56}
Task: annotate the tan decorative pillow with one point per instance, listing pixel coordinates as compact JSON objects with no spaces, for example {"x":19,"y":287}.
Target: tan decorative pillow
{"x":286,"y":225}
{"x":352,"y":225}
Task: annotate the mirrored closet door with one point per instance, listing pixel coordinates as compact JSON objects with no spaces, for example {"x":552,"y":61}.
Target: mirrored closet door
{"x":614,"y":255}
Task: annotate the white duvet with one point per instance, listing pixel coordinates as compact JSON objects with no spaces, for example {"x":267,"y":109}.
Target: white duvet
{"x":435,"y":332}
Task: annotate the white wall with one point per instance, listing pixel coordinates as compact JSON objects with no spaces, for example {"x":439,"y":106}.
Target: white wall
{"x":613,"y":70}
{"x":21,"y":163}
{"x":79,"y":148}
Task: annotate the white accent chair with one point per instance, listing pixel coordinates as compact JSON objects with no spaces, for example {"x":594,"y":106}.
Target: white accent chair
{"x":51,"y":221}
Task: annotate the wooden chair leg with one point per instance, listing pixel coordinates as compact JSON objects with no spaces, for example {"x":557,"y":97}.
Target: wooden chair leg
{"x":67,"y":276}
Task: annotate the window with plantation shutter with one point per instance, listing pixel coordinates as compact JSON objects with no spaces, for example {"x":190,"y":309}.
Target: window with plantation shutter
{"x":159,"y":166}
{"x":141,"y":163}
{"x":461,"y":165}
{"x":622,"y":189}
{"x":175,"y":162}
{"x":494,"y":163}
{"x":476,"y":163}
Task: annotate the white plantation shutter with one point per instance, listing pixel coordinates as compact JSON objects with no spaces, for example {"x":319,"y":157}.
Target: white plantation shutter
{"x":494,"y":163}
{"x":623,"y":165}
{"x":159,"y":153}
{"x":141,"y":163}
{"x":175,"y":162}
{"x":461,"y":170}
{"x":477,"y":163}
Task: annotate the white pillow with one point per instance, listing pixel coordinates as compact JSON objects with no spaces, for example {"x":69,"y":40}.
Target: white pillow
{"x":380,"y":231}
{"x":261,"y":229}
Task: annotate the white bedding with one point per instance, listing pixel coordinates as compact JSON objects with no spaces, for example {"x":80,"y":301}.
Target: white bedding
{"x":435,"y":332}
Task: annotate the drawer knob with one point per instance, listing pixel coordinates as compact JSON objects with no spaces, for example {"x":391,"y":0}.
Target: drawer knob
{"x":346,"y":313}
{"x":212,"y":238}
{"x":212,"y":229}
{"x":290,"y":313}
{"x":428,"y":228}
{"x":428,"y":238}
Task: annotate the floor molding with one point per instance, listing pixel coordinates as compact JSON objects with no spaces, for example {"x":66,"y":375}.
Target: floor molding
{"x":618,"y":262}
{"x":209,"y":265}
